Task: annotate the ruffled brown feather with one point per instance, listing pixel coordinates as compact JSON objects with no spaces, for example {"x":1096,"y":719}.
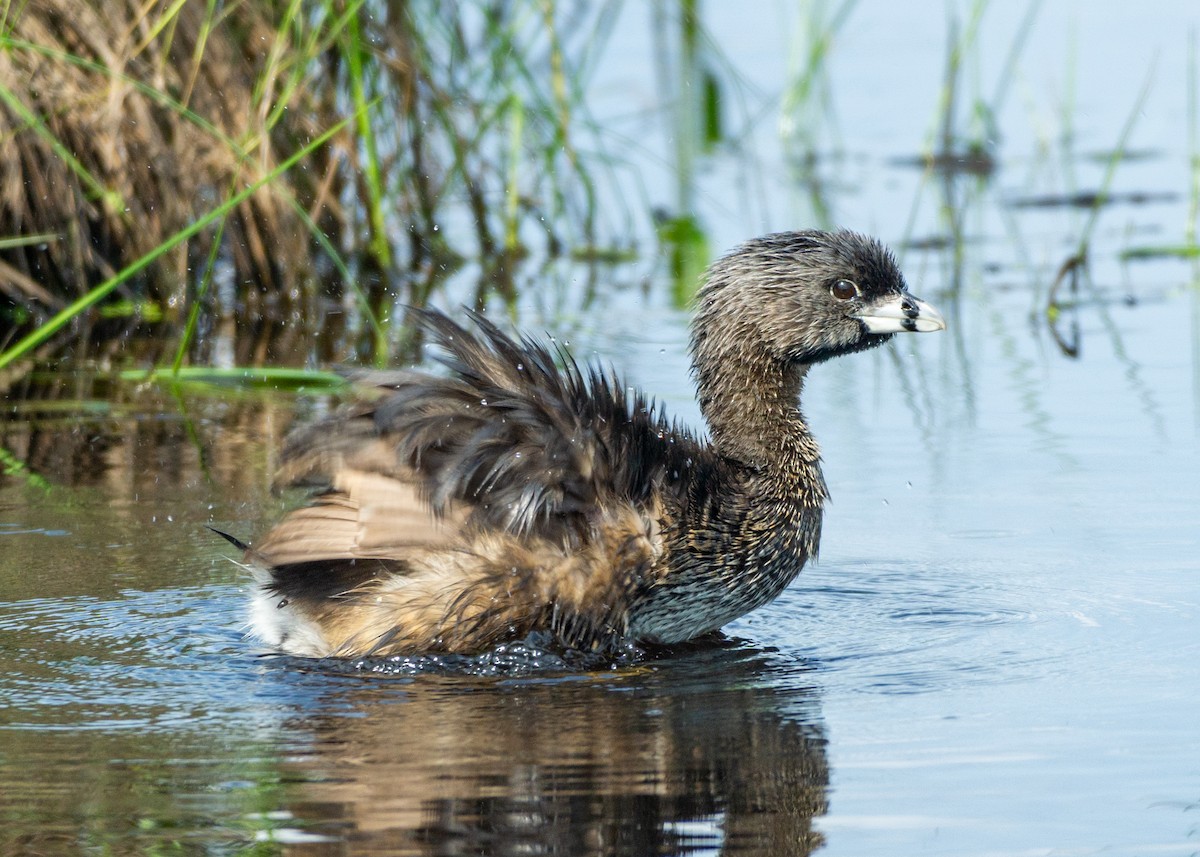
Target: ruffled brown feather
{"x":506,"y":497}
{"x":527,"y":447}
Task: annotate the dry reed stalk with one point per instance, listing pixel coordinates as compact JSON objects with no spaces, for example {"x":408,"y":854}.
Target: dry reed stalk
{"x":102,"y":79}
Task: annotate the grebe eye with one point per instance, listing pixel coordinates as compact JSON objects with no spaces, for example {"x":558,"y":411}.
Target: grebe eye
{"x":843,"y":290}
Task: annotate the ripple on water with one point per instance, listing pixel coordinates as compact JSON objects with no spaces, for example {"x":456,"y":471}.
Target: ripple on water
{"x":177,"y":658}
{"x":534,"y":656}
{"x":141,"y":659}
{"x":911,"y":628}
{"x":147,"y":660}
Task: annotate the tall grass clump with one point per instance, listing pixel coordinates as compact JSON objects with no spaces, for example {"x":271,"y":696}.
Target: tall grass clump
{"x":123,"y":125}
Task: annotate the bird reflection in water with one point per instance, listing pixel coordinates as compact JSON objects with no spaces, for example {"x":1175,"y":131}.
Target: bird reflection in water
{"x":696,"y":752}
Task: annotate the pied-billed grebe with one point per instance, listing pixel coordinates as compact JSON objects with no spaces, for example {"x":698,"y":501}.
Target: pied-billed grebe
{"x":516,"y":496}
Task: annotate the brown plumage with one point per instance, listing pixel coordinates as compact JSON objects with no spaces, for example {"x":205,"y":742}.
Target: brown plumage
{"x":515,"y":495}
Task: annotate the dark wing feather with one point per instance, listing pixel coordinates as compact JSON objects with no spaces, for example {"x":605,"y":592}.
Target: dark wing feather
{"x":524,"y":444}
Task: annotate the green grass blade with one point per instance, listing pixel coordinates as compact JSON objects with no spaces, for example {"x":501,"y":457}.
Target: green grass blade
{"x":168,"y":18}
{"x":243,"y":377}
{"x":193,"y":319}
{"x":14,"y":467}
{"x":157,"y":96}
{"x":97,"y":294}
{"x":28,"y":240}
{"x":1110,"y":169}
{"x":108,"y":197}
{"x":356,"y":50}
{"x":512,"y":194}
